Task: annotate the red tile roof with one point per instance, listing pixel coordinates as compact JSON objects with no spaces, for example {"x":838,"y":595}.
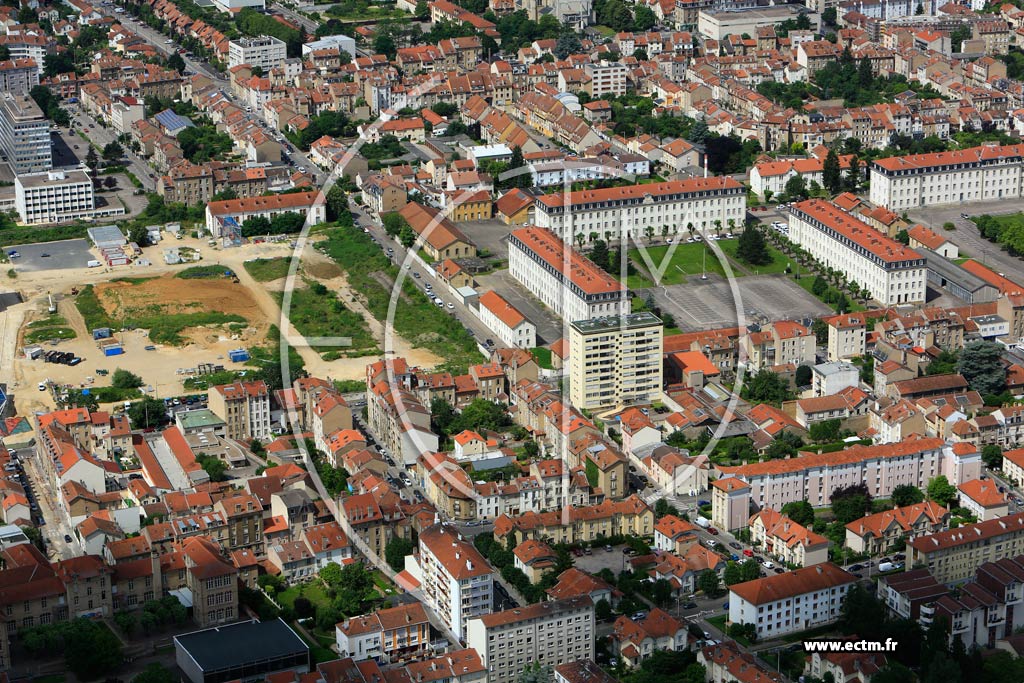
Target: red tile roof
{"x":791,"y":584}
{"x":856,"y":231}
{"x":665,"y":189}
{"x":582,"y":271}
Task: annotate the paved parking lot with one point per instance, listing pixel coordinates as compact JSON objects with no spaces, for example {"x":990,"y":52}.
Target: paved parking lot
{"x":62,"y":255}
{"x":64,"y":153}
{"x":707,"y":304}
{"x":602,"y":559}
{"x":966,"y":235}
{"x":489,"y":235}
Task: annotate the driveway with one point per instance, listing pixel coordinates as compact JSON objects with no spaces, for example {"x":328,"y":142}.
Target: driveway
{"x":966,"y":235}
{"x":63,"y":255}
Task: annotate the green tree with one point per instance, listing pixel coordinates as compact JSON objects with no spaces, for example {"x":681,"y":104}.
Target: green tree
{"x":803,"y":375}
{"x":958,"y":36}
{"x":91,"y":649}
{"x":707,"y":582}
{"x":123,"y":379}
{"x":992,"y":456}
{"x":147,"y":412}
{"x":767,"y":387}
{"x":662,"y":507}
{"x":441,"y":416}
{"x":330,"y":574}
{"x":155,"y":673}
{"x":568,"y":43}
{"x":981,"y":365}
{"x":396,"y":550}
{"x":850,"y":503}
{"x":213,"y":466}
{"x":796,"y":188}
{"x":800,"y":511}
{"x":407,"y":237}
{"x":751,"y":247}
{"x":906,"y":494}
{"x":853,"y":177}
{"x":825,"y":431}
{"x":819,"y":286}
{"x":599,"y":254}
{"x":603,"y":610}
{"x":336,"y":203}
{"x":861,"y":612}
{"x":941,"y":491}
{"x":750,"y":570}
{"x":831,"y":173}
{"x":644,"y":18}
{"x":534,"y":673}
{"x":176,"y":62}
{"x":732,"y":574}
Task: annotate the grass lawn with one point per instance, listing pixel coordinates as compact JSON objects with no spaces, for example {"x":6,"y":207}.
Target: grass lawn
{"x":687,"y":260}
{"x":202,"y":272}
{"x":605,"y":31}
{"x":267,"y":269}
{"x":383,"y":585}
{"x":719,"y":621}
{"x":313,"y":591}
{"x":543,"y":356}
{"x":324,"y":315}
{"x":778,"y":264}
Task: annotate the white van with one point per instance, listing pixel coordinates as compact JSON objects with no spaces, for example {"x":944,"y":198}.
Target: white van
{"x":886,"y":566}
{"x":94,"y":264}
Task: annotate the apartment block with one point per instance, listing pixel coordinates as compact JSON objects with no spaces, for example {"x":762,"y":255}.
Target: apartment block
{"x":624,"y":212}
{"x":791,"y":602}
{"x":225,"y":218}
{"x":244,"y":407}
{"x":814,"y":476}
{"x":18,"y":76}
{"x":550,"y":633}
{"x":892,"y":272}
{"x":389,"y":635}
{"x":24,"y":134}
{"x":615,"y":361}
{"x":563,"y":279}
{"x":951,"y":556}
{"x":606,"y":78}
{"x":457,"y":582}
{"x":985,"y":173}
{"x":574,"y":524}
{"x":847,"y":336}
{"x":263,"y":52}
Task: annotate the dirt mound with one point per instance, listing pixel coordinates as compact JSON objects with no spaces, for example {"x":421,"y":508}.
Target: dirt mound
{"x":168,"y":295}
{"x":321,"y":269}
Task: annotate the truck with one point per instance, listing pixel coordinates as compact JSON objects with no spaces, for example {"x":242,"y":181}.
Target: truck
{"x":703,"y":522}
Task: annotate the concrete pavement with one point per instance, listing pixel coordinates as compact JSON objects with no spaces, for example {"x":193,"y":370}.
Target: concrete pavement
{"x":57,"y":525}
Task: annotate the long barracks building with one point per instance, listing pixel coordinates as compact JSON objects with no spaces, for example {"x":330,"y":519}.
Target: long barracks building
{"x":616,"y":212}
{"x":957,"y":177}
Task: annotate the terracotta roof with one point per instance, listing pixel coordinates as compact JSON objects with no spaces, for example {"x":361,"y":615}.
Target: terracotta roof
{"x":638,"y":192}
{"x":502,"y":309}
{"x":969,"y":533}
{"x":535,"y":611}
{"x":581,"y":271}
{"x":854,"y":454}
{"x":858,"y":232}
{"x":793,"y":583}
{"x":459,"y":557}
{"x":274,"y":202}
{"x":983,"y":492}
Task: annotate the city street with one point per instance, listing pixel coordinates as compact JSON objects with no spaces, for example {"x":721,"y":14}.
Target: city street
{"x":966,"y":235}
{"x":56,"y":526}
{"x":101,"y":136}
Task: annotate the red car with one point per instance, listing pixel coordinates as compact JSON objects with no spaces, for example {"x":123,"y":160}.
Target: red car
{"x":748,"y":552}
{"x":713,"y":531}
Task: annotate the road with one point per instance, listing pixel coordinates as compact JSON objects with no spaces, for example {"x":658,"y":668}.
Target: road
{"x":41,"y":493}
{"x":453,"y":305}
{"x":101,"y":136}
{"x":967,"y":237}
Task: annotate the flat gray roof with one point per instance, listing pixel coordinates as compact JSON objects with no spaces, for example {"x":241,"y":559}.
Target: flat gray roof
{"x":200,"y":417}
{"x":617,"y":322}
{"x":54,"y":177}
{"x":953,"y":272}
{"x":234,"y":645}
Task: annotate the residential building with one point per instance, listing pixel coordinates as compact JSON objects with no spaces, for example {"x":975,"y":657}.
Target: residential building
{"x":726,"y":662}
{"x":674,"y":535}
{"x":984,"y":499}
{"x":986,"y":173}
{"x":24,"y":134}
{"x":457,"y":582}
{"x":606,"y":78}
{"x":730,"y":503}
{"x":505,"y":321}
{"x":393,"y":634}
{"x":790,"y":602}
{"x":832,"y":377}
{"x":615,"y":361}
{"x":892,"y":272}
{"x":563,"y":279}
{"x":877,"y":533}
{"x":244,"y":407}
{"x":814,"y":476}
{"x":575,"y":524}
{"x":847,"y":335}
{"x":18,"y":76}
{"x":262,"y":52}
{"x":226,"y":218}
{"x":617,"y":212}
{"x":780,"y":537}
{"x":436,"y":234}
{"x":637,"y":640}
{"x":951,"y":556}
{"x":551,"y":633}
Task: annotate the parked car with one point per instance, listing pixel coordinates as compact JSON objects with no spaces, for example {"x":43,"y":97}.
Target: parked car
{"x":748,"y":552}
{"x":735,"y":546}
{"x":713,"y":531}
{"x":67,"y":538}
{"x":689,"y":605}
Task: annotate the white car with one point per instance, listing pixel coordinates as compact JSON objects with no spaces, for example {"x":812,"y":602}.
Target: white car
{"x":451,"y":306}
{"x":768,"y":564}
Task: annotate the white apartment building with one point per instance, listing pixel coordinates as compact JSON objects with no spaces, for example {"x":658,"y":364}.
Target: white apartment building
{"x":563,"y":279}
{"x":814,"y":476}
{"x":225,"y":218}
{"x":264,"y":52}
{"x":985,"y":173}
{"x":617,"y":212}
{"x":606,"y":78}
{"x":24,"y":134}
{"x":615,"y":361}
{"x":892,"y":272}
{"x":791,"y":602}
{"x":505,"y":320}
{"x":550,"y":633}
{"x":847,"y":336}
{"x":832,"y":377}
{"x":457,"y":582}
{"x":57,"y":197}
{"x":18,"y":76}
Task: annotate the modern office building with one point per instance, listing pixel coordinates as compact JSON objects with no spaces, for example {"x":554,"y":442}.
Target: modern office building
{"x":615,"y":361}
{"x":263,"y":52}
{"x":24,"y":134}
{"x":892,"y":272}
{"x":56,"y":197}
{"x":563,"y":279}
{"x":986,"y":173}
{"x":617,"y":212}
{"x":550,"y":633}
